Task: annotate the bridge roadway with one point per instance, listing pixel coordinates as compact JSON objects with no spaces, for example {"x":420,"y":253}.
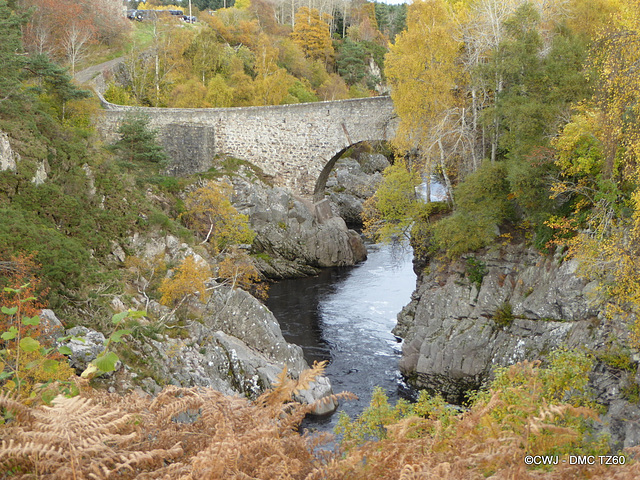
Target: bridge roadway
{"x":296,"y":144}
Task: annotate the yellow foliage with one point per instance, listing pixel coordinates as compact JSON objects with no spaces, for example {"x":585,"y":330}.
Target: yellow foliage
{"x":392,"y":210}
{"x":238,"y":269}
{"x":334,"y":88}
{"x":153,"y":6}
{"x":609,"y":248}
{"x":423,"y":71}
{"x":272,"y":82}
{"x":35,"y":373}
{"x":209,"y":211}
{"x":189,"y":279}
{"x":219,"y":94}
{"x":188,"y":94}
{"x":312,"y":33}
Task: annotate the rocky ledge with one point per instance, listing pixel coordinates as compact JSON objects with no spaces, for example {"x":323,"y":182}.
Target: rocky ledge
{"x":231,"y":343}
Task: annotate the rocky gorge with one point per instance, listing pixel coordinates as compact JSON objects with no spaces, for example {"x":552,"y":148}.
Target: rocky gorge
{"x":231,"y":341}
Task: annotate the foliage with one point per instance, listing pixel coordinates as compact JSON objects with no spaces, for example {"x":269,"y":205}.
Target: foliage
{"x":503,"y":316}
{"x":238,"y":270}
{"x":28,"y":362}
{"x":208,"y":210}
{"x":11,"y":73}
{"x":598,"y":154}
{"x":528,"y":409}
{"x":302,"y":93}
{"x":107,"y":360}
{"x":137,"y":143}
{"x":476,"y":271}
{"x":391,"y":211}
{"x":228,"y":437}
{"x":482,"y":204}
{"x":422,"y":69}
{"x":370,"y":424}
{"x":61,"y":256}
{"x":352,"y":62}
{"x":312,"y":33}
{"x":189,"y":278}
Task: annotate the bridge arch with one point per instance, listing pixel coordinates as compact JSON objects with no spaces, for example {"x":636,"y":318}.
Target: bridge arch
{"x":295,"y":144}
{"x":321,"y":182}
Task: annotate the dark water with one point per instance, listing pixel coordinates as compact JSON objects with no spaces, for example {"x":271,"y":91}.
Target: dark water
{"x":346,"y":316}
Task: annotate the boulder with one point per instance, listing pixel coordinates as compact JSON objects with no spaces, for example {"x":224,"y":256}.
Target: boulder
{"x":87,"y":345}
{"x":371,"y":163}
{"x":292,"y":240}
{"x":319,"y":393}
{"x":352,"y":182}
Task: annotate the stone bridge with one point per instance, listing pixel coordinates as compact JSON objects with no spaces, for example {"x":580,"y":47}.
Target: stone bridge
{"x":296,"y":144}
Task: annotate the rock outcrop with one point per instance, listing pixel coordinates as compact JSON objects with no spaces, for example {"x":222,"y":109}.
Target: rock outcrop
{"x":501,"y":307}
{"x":8,"y":158}
{"x":232,"y":343}
{"x":292,"y":239}
{"x":352,"y":182}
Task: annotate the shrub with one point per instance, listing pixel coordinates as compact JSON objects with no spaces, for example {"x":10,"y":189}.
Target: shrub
{"x":503,"y":315}
{"x":210,"y":213}
{"x":476,"y":270}
{"x":481,"y":205}
{"x":527,"y":410}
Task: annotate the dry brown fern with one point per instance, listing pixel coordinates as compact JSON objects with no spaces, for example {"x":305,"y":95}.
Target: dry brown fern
{"x":75,"y":438}
{"x":183,"y":433}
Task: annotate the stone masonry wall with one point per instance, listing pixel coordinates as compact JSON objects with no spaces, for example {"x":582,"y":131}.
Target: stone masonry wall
{"x":290,"y":142}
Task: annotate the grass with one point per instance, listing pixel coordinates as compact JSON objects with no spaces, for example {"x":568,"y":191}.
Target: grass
{"x":140,"y":36}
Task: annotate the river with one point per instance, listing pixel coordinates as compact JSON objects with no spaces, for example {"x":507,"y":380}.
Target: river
{"x":345,"y":316}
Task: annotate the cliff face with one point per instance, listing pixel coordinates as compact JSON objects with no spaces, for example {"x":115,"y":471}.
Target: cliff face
{"x":504,"y":306}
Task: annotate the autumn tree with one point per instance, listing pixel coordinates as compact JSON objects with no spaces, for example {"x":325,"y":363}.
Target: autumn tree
{"x":272,"y":82}
{"x":334,"y":88}
{"x":391,"y":212}
{"x":598,"y":156}
{"x":238,"y":271}
{"x":75,"y":40}
{"x":206,"y":55}
{"x":210,"y":213}
{"x":219,"y":93}
{"x":64,"y":28}
{"x":312,"y":33}
{"x":188,"y":279}
{"x":423,"y":71}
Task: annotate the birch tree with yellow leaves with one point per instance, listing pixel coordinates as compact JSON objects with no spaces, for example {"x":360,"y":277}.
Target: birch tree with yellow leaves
{"x":423,"y":72}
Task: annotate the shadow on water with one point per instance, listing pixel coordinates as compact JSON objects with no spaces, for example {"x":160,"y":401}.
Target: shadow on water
{"x":345,"y":316}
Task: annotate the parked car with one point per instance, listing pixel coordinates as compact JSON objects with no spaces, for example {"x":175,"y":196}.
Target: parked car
{"x":190,"y":19}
